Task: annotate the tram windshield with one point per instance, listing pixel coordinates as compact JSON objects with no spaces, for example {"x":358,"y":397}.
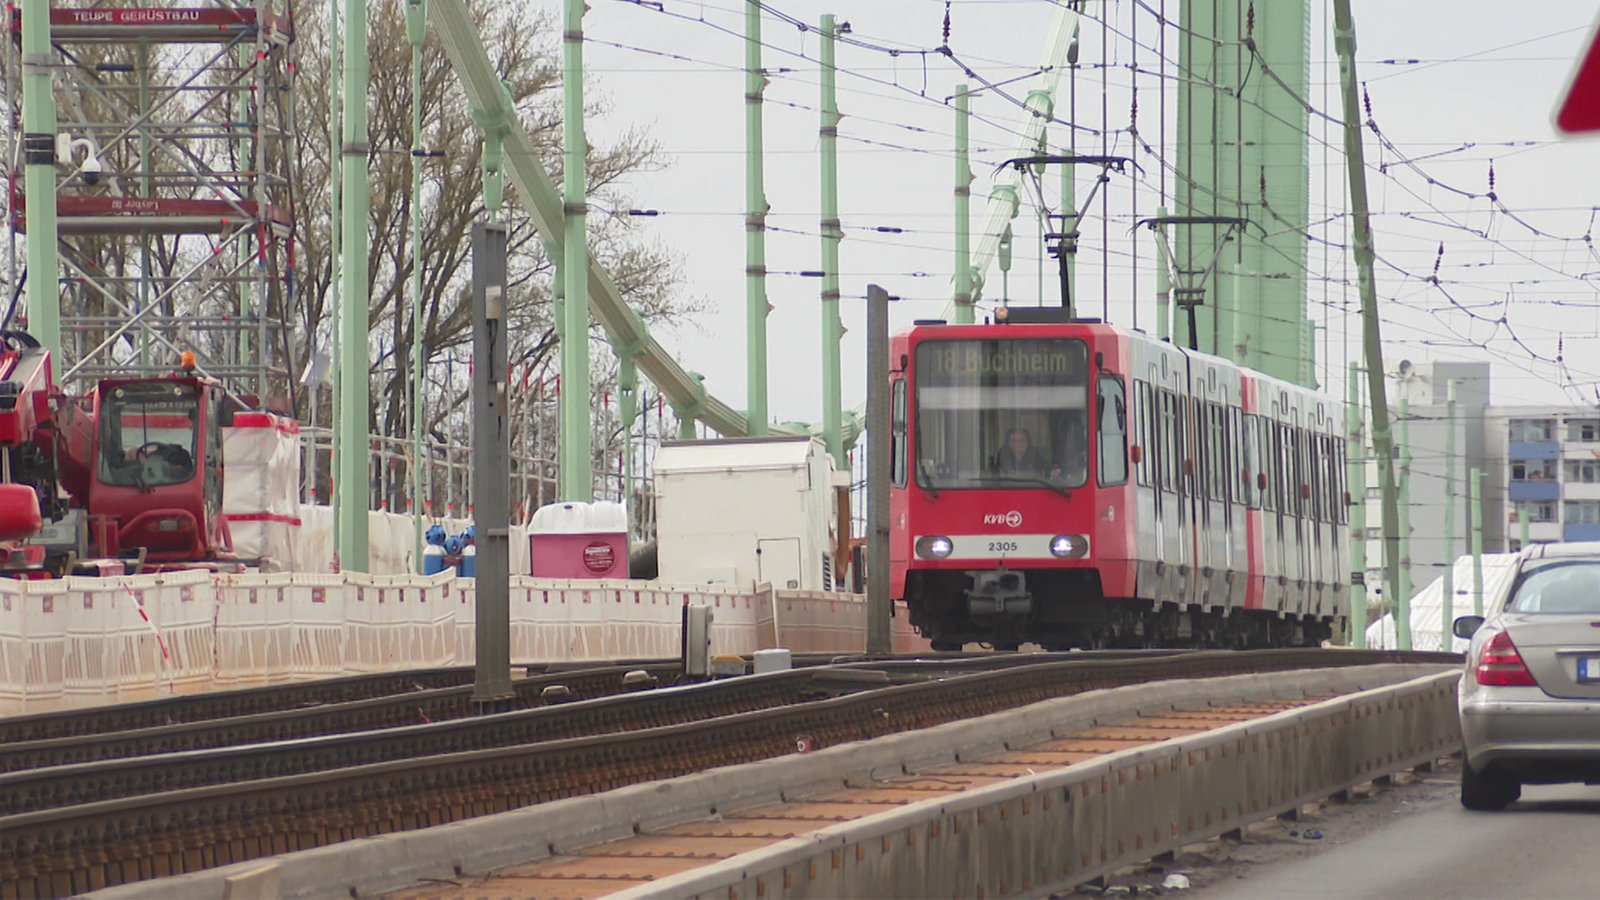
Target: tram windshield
{"x":1004,"y":412}
{"x":148,"y":432}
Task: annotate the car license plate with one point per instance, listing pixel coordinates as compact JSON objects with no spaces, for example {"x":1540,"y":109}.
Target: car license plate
{"x":1589,"y":668}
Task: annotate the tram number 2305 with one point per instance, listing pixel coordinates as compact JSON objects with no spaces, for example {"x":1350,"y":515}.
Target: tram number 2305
{"x":1003,"y":546}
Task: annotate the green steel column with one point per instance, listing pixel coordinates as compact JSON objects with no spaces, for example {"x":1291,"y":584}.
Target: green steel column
{"x":1164,"y":308}
{"x":687,"y":410}
{"x":416,"y":32}
{"x":1402,"y":590}
{"x":355,"y":390}
{"x":1246,"y":347}
{"x":1356,"y":473}
{"x":577,"y":468}
{"x":1361,"y":240}
{"x":1447,"y":609}
{"x":755,"y":224}
{"x":627,"y":412}
{"x":963,"y":273}
{"x":1276,"y":174}
{"x":39,"y":178}
{"x":1004,"y":204}
{"x":832,"y":235}
{"x":1475,"y":508}
{"x":1231,"y":120}
{"x":1522,"y":521}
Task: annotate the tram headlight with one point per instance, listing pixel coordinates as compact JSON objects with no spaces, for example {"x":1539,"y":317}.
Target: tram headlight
{"x":1069,"y":546}
{"x":935,"y":547}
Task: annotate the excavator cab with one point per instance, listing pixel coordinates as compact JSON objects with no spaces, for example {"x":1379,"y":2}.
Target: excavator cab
{"x":158,"y":467}
{"x":149,"y":434}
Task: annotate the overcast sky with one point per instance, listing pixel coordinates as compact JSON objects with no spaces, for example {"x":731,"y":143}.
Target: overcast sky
{"x":1456,"y":87}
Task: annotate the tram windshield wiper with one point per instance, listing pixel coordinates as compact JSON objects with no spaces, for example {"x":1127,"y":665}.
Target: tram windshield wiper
{"x":1035,"y":480}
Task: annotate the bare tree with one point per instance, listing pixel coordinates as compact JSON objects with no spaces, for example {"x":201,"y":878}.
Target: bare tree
{"x":522,"y":43}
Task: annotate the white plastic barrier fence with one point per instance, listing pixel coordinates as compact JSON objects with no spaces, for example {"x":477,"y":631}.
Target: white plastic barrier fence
{"x":824,"y":622}
{"x":137,"y":638}
{"x":33,"y":642}
{"x":86,"y":641}
{"x":566,"y":620}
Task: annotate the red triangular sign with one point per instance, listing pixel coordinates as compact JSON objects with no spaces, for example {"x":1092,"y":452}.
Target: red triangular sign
{"x":1581,"y":110}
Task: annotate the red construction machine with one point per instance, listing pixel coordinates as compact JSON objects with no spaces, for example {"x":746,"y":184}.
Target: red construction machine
{"x":126,"y":477}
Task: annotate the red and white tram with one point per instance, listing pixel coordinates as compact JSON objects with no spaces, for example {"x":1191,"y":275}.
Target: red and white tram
{"x":1073,"y":484}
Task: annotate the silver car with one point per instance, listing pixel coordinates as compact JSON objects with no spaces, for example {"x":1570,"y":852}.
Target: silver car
{"x":1530,"y":696}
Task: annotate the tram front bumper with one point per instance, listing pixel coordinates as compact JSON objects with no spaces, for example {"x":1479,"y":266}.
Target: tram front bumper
{"x":998,"y":593}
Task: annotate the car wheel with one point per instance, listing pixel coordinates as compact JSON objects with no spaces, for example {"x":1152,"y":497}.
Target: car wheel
{"x":1490,"y":789}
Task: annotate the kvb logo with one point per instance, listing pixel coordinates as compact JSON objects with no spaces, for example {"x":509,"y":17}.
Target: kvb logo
{"x":1012,"y":519}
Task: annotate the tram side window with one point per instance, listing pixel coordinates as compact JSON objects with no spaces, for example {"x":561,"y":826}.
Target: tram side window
{"x":1341,"y":508}
{"x":1272,"y":463}
{"x":1288,"y":468}
{"x":1142,"y":430}
{"x":1330,"y":480}
{"x":1300,"y":486}
{"x":1244,"y":429}
{"x":1111,"y":418}
{"x":897,"y":447}
{"x":1237,"y":489}
{"x":1218,"y":442}
{"x":1199,"y":483}
{"x":1170,"y":441}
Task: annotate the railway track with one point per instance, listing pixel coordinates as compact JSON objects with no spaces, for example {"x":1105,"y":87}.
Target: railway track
{"x":89,"y":829}
{"x":639,"y":860}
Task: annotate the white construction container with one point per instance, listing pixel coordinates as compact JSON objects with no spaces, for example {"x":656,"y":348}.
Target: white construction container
{"x":743,"y":511}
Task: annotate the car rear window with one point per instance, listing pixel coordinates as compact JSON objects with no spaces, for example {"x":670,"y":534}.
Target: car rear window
{"x":1572,"y":587}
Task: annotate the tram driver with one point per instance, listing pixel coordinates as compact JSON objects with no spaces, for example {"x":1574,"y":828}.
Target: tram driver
{"x":1019,"y":457}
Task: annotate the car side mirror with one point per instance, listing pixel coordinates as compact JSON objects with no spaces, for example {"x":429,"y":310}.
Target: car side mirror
{"x":1466,"y":626}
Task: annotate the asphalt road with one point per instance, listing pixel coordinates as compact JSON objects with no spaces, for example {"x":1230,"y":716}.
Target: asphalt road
{"x":1411,"y":841}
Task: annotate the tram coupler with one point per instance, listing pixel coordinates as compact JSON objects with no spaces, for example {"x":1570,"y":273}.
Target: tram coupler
{"x":1001,"y":592}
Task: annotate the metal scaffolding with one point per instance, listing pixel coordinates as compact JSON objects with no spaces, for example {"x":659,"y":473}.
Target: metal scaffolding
{"x":172,"y":191}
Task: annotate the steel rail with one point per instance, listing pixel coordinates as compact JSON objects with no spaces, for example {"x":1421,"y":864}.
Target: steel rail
{"x":85,"y":847}
{"x":390,"y":711}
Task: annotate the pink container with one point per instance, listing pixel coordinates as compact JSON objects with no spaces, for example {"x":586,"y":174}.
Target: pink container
{"x":579,"y":540}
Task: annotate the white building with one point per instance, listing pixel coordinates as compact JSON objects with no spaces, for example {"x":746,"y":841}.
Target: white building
{"x":1540,"y":470}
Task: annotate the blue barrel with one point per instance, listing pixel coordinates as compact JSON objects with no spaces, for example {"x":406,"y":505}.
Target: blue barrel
{"x":432,"y":559}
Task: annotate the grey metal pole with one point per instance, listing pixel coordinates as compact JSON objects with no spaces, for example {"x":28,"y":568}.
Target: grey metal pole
{"x":878,"y":428}
{"x":1447,"y":610}
{"x":1361,"y":241}
{"x":491,"y":470}
{"x":1475,"y":505}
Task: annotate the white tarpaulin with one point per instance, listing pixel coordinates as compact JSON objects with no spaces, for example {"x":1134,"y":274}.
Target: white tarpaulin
{"x":1427,"y":606}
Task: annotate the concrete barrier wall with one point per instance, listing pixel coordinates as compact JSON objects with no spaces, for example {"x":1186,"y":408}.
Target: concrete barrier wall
{"x":1029,"y":836}
{"x":89,"y":641}
{"x":1046,"y":834}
